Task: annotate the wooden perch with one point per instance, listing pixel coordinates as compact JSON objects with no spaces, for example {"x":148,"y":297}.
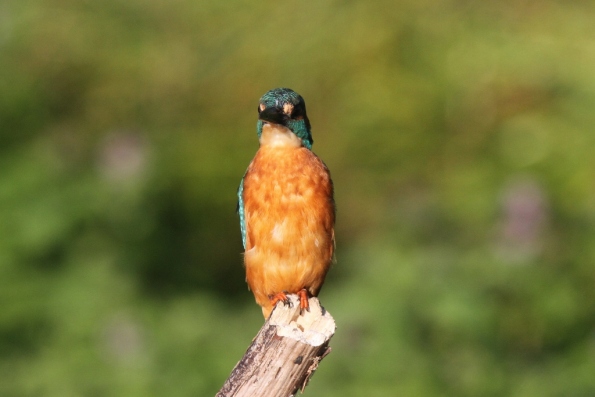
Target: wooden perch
{"x":284,"y":354}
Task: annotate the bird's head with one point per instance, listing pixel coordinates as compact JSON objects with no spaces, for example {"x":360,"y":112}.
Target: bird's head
{"x":286,"y":108}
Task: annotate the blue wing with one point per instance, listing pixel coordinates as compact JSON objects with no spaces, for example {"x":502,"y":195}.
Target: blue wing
{"x":240,"y":210}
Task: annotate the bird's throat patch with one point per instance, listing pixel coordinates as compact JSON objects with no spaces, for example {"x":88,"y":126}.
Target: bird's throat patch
{"x":278,"y":135}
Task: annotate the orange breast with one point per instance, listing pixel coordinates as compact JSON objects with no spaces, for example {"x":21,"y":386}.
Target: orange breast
{"x":290,"y":215}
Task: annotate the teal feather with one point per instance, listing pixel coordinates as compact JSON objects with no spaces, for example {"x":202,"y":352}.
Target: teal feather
{"x":241,"y":212}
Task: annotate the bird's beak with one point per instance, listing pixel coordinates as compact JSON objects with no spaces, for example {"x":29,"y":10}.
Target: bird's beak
{"x":272,"y":115}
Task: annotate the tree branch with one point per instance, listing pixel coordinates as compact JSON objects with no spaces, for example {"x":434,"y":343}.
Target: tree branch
{"x":284,"y":354}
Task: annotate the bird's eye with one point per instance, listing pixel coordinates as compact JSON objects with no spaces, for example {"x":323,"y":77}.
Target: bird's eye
{"x":297,"y":112}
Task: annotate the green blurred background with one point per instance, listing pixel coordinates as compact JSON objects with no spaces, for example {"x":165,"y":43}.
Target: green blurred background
{"x":460,"y":136}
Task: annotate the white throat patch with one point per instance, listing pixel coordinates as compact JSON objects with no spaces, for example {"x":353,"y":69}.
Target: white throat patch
{"x":277,"y":135}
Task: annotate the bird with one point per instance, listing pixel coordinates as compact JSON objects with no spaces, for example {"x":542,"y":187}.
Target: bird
{"x":286,"y":206}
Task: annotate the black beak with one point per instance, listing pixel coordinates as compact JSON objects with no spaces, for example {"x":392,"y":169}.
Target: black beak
{"x":272,"y":115}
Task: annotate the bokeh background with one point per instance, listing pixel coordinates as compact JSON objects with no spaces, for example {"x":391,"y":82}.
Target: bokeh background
{"x":460,"y":136}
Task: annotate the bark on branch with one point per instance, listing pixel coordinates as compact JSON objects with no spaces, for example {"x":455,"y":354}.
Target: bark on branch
{"x":284,"y":354}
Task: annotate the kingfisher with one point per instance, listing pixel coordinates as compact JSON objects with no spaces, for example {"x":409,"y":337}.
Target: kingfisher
{"x":286,"y":206}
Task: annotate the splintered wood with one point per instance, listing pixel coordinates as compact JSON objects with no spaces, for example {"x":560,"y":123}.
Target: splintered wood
{"x":284,"y":354}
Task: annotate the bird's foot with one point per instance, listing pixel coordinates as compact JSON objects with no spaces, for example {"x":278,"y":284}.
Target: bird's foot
{"x":304,"y":305}
{"x":280,"y":297}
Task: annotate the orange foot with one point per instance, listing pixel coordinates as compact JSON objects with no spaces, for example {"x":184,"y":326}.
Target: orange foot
{"x":304,"y":305}
{"x":280,"y":297}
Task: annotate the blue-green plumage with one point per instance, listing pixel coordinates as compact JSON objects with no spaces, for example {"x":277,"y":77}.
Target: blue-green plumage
{"x":241,"y":212}
{"x":285,"y":107}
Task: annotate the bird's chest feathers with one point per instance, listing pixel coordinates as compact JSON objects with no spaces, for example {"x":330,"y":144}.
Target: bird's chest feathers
{"x":287,"y":193}
{"x":282,"y":176}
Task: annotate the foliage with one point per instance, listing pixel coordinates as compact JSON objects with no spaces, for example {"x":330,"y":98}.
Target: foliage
{"x":460,"y":139}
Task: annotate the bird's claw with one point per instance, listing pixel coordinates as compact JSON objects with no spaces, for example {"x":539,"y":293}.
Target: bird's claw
{"x":304,"y":305}
{"x":280,"y":297}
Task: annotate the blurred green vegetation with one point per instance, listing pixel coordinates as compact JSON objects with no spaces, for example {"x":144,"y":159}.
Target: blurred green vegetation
{"x":461,"y":140}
